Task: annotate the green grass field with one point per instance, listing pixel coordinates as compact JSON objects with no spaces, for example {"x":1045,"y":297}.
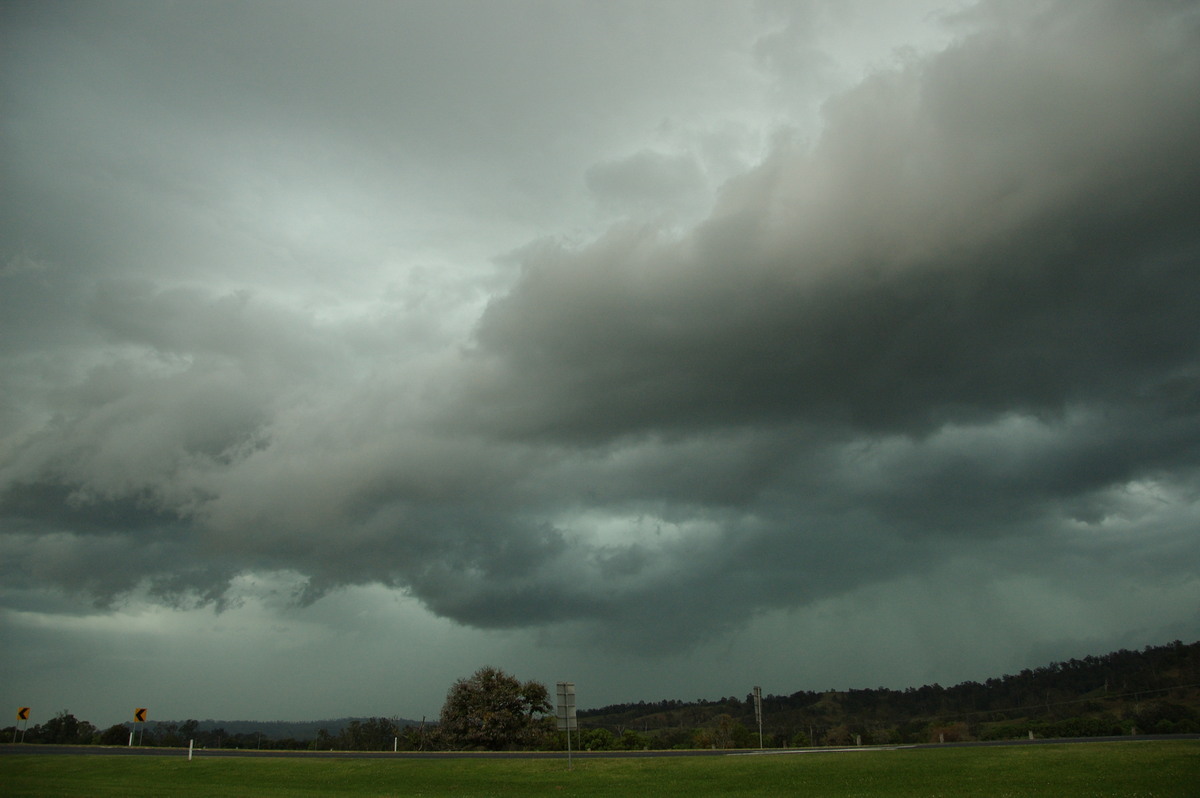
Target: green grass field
{"x":1145,"y":769}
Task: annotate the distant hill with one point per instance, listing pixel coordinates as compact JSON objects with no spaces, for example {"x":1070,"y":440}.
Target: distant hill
{"x":1155,"y":691}
{"x":281,"y":729}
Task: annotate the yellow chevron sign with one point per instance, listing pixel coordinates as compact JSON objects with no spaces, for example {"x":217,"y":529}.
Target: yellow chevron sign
{"x":22,"y":713}
{"x":139,"y":715}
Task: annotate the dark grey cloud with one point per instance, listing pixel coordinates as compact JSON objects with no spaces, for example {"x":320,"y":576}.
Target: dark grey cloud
{"x":943,"y":250}
{"x":996,"y":238}
{"x":255,"y":327}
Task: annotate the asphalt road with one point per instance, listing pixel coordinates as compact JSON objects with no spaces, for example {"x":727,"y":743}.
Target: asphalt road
{"x":102,"y":750}
{"x":121,"y":750}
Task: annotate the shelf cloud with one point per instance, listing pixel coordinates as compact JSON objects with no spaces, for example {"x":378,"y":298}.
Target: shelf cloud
{"x":621,"y":326}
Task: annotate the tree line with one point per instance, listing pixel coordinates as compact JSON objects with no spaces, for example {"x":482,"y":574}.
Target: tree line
{"x":359,"y":734}
{"x":1153,"y":691}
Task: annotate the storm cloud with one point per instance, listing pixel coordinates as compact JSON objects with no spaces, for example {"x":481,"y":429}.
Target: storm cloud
{"x":385,"y":299}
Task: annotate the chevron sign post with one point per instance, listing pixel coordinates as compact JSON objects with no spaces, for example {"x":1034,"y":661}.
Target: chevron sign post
{"x":23,"y":716}
{"x":139,"y":717}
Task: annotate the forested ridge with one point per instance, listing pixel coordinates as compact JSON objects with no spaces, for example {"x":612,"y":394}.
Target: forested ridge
{"x":1152,"y":691}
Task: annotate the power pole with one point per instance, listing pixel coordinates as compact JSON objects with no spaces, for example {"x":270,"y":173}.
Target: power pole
{"x":758,"y":714}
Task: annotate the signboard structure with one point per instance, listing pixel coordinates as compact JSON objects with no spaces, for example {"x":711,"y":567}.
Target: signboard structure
{"x":23,"y":716}
{"x":139,"y":716}
{"x":565,"y":714}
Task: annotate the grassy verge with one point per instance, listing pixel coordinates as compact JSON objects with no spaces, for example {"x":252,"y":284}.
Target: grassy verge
{"x":1149,"y":769}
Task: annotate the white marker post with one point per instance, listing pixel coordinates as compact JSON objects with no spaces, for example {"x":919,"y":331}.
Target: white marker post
{"x":190,"y":743}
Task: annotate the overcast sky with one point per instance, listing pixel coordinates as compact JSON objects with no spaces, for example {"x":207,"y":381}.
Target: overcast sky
{"x":671,"y":348}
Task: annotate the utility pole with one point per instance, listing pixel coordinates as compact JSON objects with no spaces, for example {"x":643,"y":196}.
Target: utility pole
{"x":758,"y":714}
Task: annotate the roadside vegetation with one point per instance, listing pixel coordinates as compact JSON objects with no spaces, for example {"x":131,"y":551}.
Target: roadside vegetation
{"x":1155,"y":691}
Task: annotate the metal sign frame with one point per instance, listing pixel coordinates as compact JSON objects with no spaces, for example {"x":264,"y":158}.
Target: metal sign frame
{"x":564,"y":713}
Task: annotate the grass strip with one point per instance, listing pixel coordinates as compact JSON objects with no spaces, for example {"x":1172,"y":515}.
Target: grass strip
{"x":1143,"y":769}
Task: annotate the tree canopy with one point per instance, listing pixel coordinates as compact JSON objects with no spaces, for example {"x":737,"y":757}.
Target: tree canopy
{"x":493,"y":710}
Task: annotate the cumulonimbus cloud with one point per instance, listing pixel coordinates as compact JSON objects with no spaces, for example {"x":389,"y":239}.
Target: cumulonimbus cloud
{"x":965,"y":313}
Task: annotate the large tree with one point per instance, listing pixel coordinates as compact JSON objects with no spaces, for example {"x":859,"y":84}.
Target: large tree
{"x":63,"y":728}
{"x":493,"y":710}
